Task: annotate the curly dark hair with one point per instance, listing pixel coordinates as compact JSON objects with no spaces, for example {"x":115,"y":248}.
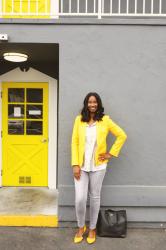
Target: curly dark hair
{"x":85,"y":112}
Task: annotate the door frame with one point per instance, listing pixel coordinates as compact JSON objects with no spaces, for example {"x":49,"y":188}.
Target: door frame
{"x":33,"y":75}
{"x":0,"y":135}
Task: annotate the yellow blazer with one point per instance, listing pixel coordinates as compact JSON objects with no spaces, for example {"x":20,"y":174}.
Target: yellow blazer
{"x":103,"y":128}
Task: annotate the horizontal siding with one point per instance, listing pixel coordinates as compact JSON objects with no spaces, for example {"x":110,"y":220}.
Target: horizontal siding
{"x":134,"y":214}
{"x":114,"y":195}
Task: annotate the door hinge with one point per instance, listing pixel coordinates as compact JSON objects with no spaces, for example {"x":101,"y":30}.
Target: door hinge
{"x":1,"y":94}
{"x":1,"y":133}
{"x":1,"y":172}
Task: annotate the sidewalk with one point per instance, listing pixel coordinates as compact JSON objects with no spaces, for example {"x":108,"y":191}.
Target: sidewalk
{"x":28,"y":238}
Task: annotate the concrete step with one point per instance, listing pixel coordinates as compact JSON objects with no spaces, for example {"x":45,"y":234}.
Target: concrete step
{"x":28,"y":206}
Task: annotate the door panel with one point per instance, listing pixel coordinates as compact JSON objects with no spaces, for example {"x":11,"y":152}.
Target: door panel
{"x":25,"y":134}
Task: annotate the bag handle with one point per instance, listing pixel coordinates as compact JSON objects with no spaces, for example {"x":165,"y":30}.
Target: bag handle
{"x":112,"y":216}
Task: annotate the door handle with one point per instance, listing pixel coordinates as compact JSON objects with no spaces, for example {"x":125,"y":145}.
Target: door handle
{"x":44,"y":140}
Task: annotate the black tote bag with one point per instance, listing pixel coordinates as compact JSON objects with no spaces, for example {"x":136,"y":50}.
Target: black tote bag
{"x":112,"y":223}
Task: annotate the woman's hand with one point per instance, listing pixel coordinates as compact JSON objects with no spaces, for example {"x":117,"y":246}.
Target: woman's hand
{"x":77,"y":172}
{"x":105,"y":156}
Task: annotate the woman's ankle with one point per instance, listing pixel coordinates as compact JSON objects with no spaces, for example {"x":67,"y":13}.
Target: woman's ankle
{"x":80,"y":231}
{"x":92,"y":232}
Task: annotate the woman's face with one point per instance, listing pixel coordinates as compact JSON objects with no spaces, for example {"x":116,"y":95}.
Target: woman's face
{"x":92,"y":104}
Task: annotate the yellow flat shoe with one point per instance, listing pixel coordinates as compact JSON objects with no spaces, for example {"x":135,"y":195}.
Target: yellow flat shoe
{"x":91,"y":240}
{"x":79,"y":239}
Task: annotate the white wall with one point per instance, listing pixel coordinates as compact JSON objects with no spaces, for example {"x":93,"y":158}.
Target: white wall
{"x":33,"y":75}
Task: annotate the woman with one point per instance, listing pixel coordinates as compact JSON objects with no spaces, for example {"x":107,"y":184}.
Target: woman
{"x":89,"y":160}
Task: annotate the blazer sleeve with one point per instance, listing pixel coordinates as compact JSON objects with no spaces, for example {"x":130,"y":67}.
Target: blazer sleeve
{"x":120,"y":137}
{"x":75,"y":143}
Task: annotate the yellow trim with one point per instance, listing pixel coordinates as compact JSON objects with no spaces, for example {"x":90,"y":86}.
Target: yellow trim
{"x":19,"y":11}
{"x":29,"y":220}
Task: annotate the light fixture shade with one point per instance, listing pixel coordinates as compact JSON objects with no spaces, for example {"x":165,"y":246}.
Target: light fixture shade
{"x":15,"y":57}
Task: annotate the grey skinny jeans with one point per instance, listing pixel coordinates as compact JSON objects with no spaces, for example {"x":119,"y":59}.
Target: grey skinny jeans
{"x":92,"y":182}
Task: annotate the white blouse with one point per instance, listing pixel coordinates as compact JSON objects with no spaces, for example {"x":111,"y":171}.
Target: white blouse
{"x":90,"y":147}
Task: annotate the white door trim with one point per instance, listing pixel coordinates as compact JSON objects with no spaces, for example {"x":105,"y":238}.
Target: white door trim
{"x":0,"y":137}
{"x":33,"y":75}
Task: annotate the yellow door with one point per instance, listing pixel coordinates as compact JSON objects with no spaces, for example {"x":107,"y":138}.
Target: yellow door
{"x":26,"y":8}
{"x":24,"y":134}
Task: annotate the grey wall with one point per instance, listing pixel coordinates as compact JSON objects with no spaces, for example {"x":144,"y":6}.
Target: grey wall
{"x":126,"y":66}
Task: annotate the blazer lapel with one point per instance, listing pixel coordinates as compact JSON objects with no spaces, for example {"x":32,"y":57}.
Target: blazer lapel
{"x":83,"y":128}
{"x":97,"y":131}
